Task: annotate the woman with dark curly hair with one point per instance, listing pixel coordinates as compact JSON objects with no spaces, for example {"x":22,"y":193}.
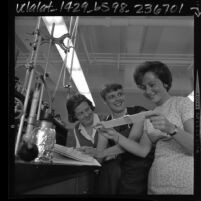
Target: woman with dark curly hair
{"x":170,"y":127}
{"x":81,"y":110}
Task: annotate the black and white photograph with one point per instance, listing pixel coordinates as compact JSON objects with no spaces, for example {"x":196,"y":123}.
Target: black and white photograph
{"x":104,"y":106}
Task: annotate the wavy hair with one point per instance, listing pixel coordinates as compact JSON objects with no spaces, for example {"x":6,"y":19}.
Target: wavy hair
{"x":73,"y":102}
{"x":160,"y":69}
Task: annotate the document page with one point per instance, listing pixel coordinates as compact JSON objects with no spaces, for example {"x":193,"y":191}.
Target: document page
{"x":73,"y":156}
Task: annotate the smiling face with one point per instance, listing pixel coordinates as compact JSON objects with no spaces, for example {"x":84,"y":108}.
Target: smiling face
{"x":116,"y":101}
{"x":154,"y":89}
{"x":84,"y":114}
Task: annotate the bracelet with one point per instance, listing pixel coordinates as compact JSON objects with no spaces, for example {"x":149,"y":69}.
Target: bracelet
{"x":175,"y":131}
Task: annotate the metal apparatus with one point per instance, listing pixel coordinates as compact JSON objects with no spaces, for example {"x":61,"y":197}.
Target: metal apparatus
{"x":29,"y":79}
{"x":35,"y":111}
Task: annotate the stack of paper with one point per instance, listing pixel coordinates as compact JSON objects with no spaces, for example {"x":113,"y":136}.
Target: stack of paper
{"x":70,"y":153}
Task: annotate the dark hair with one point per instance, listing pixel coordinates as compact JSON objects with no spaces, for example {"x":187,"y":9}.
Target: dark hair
{"x":108,"y":88}
{"x":73,"y":102}
{"x":158,"y":68}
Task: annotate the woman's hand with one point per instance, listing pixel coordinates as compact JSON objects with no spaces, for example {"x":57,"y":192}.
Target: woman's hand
{"x":160,"y":122}
{"x":108,"y":158}
{"x":91,"y":151}
{"x":87,"y":150}
{"x":109,"y":133}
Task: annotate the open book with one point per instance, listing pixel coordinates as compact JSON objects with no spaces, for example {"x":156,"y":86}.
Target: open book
{"x":71,"y":156}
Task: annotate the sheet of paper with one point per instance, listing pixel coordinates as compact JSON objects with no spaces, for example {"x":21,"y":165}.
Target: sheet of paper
{"x":59,"y":159}
{"x":128,"y":119}
{"x":63,"y":154}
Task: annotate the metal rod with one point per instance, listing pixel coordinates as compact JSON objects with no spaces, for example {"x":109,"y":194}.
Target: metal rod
{"x":72,"y":58}
{"x":27,"y":76}
{"x":57,"y":85}
{"x":68,"y":46}
{"x":37,"y":40}
{"x":44,"y":76}
{"x":71,"y":18}
{"x":65,"y":61}
{"x":31,"y":119}
{"x":70,"y":70}
{"x":75,"y":25}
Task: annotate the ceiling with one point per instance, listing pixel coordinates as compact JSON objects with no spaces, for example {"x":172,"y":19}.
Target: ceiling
{"x":110,"y":48}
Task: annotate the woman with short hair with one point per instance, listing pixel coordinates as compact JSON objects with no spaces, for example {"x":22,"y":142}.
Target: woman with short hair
{"x":170,"y":127}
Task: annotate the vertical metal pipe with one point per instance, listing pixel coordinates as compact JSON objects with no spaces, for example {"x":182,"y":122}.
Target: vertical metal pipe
{"x":73,"y":51}
{"x":26,"y":79}
{"x":32,"y":115}
{"x":44,"y":76}
{"x":62,"y":69}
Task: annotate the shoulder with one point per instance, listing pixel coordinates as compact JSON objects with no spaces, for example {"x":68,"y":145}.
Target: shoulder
{"x":179,"y":98}
{"x":184,"y":106}
{"x":135,"y":109}
{"x":181,"y":101}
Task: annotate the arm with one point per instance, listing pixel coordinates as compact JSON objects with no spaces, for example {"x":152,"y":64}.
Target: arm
{"x":185,"y":137}
{"x":141,"y":148}
{"x":114,"y":150}
{"x":70,"y":139}
{"x":102,"y":152}
{"x":135,"y":134}
{"x":137,"y":130}
{"x":101,"y":146}
{"x":97,"y":152}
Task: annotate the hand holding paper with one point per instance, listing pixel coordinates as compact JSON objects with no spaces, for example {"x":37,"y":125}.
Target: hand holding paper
{"x":109,"y":133}
{"x":152,"y":130}
{"x":128,"y":119}
{"x":92,"y":152}
{"x":88,"y":150}
{"x":159,"y":122}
